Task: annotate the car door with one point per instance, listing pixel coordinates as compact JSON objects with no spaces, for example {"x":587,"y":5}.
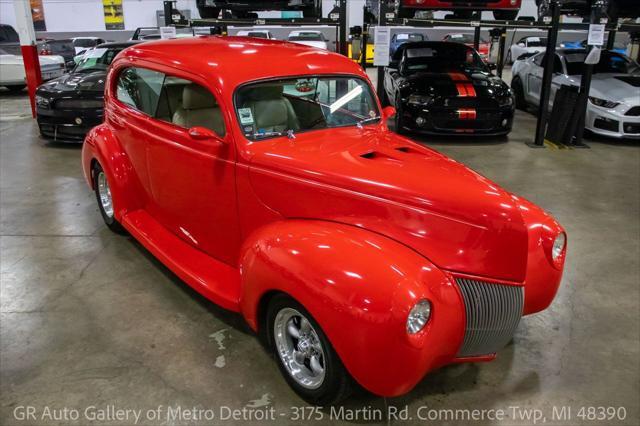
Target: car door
{"x":192,"y":181}
{"x":137,"y":91}
{"x":534,"y":79}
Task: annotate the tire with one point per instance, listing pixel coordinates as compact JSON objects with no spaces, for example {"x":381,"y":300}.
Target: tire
{"x":463,"y":14}
{"x":310,"y":12}
{"x":105,"y":202}
{"x":209,"y":12}
{"x":285,"y":314}
{"x":518,"y":91}
{"x":16,"y":89}
{"x":406,"y":13}
{"x":543,"y":9}
{"x":505,"y":15}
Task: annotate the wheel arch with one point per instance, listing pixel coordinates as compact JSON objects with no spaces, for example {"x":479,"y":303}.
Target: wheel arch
{"x":359,"y":286}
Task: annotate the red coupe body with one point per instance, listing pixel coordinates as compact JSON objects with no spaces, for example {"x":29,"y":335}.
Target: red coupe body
{"x":356,"y":223}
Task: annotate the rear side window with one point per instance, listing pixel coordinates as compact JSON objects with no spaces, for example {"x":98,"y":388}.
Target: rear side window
{"x":140,"y":89}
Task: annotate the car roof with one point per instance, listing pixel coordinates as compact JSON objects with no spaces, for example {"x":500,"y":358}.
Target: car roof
{"x":232,"y":59}
{"x":116,"y":44}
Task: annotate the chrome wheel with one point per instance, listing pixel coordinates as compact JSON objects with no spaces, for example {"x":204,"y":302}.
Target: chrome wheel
{"x":299,"y":348}
{"x":104,"y":193}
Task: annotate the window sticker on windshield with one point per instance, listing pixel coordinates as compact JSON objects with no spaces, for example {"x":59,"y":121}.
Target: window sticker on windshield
{"x":245,"y":116}
{"x":96,"y":53}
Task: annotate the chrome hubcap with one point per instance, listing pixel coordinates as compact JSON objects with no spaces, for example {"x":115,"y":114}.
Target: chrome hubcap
{"x":105,"y":195}
{"x":299,"y":348}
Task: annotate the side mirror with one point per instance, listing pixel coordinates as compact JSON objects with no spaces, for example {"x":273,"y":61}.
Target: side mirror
{"x":388,"y":112}
{"x":203,"y":134}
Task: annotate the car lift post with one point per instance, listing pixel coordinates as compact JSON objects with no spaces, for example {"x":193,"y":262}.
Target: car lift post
{"x":343,"y":48}
{"x":386,"y":9}
{"x":585,"y":82}
{"x":547,"y":76}
{"x":476,"y":36}
{"x":24,"y":24}
{"x":501,"y":45}
{"x":611,"y":38}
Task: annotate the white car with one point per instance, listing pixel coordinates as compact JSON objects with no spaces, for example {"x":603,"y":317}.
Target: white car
{"x":529,"y":45}
{"x":256,"y":33}
{"x":614,"y":97}
{"x":309,"y":38}
{"x":83,"y":43}
{"x":12,"y":73}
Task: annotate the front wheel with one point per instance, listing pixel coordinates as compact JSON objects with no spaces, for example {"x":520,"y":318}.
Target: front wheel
{"x":518,"y":92}
{"x":105,"y":201}
{"x":505,"y":15}
{"x":306,"y":358}
{"x":208,"y":12}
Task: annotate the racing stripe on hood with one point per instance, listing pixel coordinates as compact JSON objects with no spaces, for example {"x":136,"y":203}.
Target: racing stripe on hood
{"x":464,"y":88}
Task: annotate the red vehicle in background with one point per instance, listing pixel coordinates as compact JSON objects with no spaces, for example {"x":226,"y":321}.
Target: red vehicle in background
{"x":483,"y":47}
{"x":502,"y":9}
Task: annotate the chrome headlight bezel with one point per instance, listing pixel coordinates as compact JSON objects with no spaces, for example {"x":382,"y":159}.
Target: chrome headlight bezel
{"x":418,"y":317}
{"x":558,"y":247}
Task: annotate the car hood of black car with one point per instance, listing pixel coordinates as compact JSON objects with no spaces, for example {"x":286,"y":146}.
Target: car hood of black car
{"x":76,"y":82}
{"x":446,"y":83}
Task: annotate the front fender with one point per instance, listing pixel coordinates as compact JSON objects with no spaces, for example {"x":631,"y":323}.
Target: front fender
{"x":103,"y":146}
{"x":359,"y":286}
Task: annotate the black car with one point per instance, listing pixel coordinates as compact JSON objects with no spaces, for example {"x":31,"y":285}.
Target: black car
{"x":69,"y":106}
{"x":209,"y":9}
{"x":444,"y":87}
{"x":615,"y":8}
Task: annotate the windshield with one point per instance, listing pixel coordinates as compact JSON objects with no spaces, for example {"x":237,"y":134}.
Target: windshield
{"x":97,"y":59}
{"x":537,"y":42}
{"x":464,"y":38}
{"x":410,"y":37}
{"x":610,"y":62}
{"x":60,"y":46}
{"x":84,"y":42}
{"x":306,"y":37}
{"x":257,"y":34}
{"x":442,"y":58}
{"x":288,"y":106}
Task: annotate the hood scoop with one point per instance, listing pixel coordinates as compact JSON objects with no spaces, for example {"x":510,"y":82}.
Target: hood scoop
{"x":409,"y":150}
{"x":377,"y":155}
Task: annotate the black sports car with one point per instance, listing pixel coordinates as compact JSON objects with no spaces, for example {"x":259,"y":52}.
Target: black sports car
{"x":69,"y":106}
{"x":444,"y":87}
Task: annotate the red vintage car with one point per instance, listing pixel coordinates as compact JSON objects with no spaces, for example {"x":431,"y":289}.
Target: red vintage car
{"x":264,"y":175}
{"x":502,"y":9}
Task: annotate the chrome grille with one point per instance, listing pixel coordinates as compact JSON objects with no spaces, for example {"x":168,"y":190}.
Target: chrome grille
{"x":492,"y":311}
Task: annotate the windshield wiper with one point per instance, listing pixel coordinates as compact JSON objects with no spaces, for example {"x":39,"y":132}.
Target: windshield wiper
{"x":366,"y":120}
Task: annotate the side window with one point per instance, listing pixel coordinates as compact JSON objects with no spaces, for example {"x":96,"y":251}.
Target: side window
{"x":557,"y":65}
{"x":140,"y":88}
{"x":187,"y":104}
{"x":538,"y":59}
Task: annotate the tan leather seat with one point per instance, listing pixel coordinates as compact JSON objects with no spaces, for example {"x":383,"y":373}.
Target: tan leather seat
{"x":199,"y":108}
{"x":271,"y":111}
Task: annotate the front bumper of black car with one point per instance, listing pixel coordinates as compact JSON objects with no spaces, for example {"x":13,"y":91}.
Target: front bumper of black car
{"x":67,"y":125}
{"x":463,"y":120}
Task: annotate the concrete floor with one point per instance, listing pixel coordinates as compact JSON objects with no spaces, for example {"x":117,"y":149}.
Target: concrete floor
{"x":90,"y":319}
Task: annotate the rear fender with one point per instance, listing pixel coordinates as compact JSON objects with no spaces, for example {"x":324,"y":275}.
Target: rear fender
{"x":102,"y":145}
{"x":360,"y":287}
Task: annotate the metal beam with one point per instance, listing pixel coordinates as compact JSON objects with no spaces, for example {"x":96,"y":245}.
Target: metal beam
{"x":547,"y":76}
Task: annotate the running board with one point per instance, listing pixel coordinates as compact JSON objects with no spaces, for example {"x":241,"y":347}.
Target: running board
{"x":215,"y":280}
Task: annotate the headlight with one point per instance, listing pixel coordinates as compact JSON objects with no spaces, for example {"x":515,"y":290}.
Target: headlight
{"x":558,"y":246}
{"x":418,"y":316}
{"x":505,"y":101}
{"x":419,"y":100}
{"x":42,"y":101}
{"x":603,"y":102}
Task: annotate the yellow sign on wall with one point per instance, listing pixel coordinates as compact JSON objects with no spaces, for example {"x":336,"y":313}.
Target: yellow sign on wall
{"x":113,"y":14}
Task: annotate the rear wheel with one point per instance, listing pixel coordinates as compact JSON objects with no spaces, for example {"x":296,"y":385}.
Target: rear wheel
{"x":518,"y":92}
{"x":209,"y":12}
{"x":306,"y":358}
{"x":463,"y":14}
{"x":105,"y":201}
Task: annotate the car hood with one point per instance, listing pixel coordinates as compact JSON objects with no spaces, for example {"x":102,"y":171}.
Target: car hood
{"x":76,"y":82}
{"x":44,"y":60}
{"x":446,"y":84}
{"x":379,"y":181}
{"x":613,"y":87}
